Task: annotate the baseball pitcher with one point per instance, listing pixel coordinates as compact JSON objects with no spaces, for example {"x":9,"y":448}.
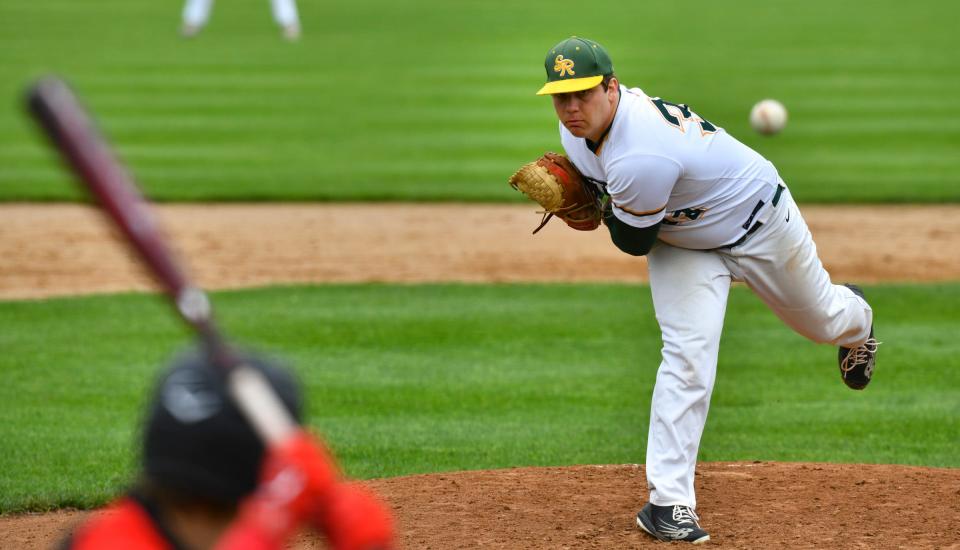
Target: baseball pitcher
{"x":706,"y":211}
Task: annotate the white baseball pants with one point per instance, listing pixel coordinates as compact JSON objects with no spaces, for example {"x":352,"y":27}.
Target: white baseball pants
{"x":196,"y":13}
{"x":285,"y":12}
{"x":690,"y":287}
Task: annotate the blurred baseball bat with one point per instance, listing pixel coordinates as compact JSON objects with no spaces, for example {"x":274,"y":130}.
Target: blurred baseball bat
{"x":87,"y":153}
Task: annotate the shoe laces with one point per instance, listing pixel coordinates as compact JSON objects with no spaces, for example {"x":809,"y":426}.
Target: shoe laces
{"x":685,"y":514}
{"x":859,"y":355}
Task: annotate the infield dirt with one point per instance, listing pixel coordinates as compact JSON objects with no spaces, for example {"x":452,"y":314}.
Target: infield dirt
{"x":53,"y":250}
{"x":744,"y":505}
{"x":62,"y":249}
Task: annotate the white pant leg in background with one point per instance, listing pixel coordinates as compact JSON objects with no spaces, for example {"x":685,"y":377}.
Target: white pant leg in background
{"x":780,"y":264}
{"x":690,"y":290}
{"x":285,"y":12}
{"x":197,"y":12}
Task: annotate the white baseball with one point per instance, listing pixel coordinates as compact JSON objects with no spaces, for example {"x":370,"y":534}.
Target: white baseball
{"x":768,"y":117}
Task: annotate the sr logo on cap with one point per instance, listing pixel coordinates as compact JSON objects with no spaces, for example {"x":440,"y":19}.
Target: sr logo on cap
{"x":563,"y":66}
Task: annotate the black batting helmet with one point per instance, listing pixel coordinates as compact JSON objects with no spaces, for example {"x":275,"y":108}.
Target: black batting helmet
{"x":196,"y":440}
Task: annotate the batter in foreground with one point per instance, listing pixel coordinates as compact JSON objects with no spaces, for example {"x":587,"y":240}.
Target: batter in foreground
{"x":706,"y":210}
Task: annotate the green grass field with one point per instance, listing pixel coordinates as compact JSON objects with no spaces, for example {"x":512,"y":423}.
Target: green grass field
{"x":433,"y":100}
{"x":406,"y":379}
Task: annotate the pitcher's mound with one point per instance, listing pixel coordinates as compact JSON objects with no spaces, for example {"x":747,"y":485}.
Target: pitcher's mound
{"x":742,"y":505}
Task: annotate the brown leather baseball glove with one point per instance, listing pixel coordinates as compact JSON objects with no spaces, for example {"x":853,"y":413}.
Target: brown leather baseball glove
{"x":556,"y":184}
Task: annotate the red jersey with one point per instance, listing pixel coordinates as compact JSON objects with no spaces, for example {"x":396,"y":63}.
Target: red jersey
{"x":130,"y":523}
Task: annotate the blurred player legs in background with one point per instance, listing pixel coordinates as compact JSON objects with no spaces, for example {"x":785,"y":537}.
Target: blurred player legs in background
{"x":196,"y":13}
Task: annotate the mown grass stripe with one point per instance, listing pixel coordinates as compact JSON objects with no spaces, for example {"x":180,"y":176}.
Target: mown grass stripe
{"x":427,"y":378}
{"x":356,"y":77}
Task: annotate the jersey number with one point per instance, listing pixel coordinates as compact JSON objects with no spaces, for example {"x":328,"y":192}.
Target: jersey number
{"x":685,"y":112}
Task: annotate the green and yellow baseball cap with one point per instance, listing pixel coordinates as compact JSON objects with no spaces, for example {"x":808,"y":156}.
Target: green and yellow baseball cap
{"x":575,"y":64}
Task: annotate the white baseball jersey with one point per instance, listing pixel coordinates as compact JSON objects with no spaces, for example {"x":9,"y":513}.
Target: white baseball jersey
{"x":661,"y":162}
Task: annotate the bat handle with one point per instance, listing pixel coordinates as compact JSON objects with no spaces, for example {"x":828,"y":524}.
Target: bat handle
{"x":249,"y":388}
{"x":260,"y":404}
